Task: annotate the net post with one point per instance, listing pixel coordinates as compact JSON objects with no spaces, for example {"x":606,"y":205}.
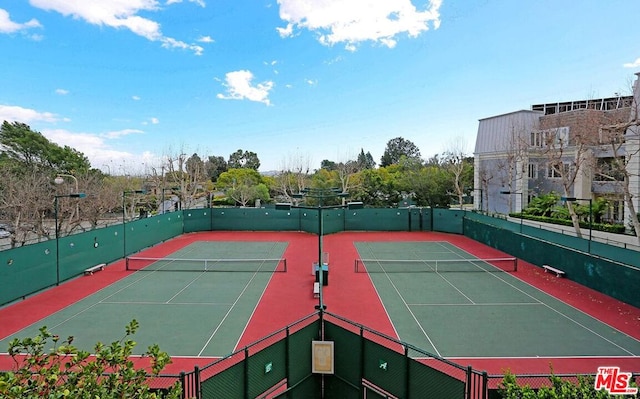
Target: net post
{"x":515,"y":264}
{"x":126,"y":263}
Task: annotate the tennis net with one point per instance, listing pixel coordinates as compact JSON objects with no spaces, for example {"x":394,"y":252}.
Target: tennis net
{"x":137,"y":263}
{"x":435,"y":266}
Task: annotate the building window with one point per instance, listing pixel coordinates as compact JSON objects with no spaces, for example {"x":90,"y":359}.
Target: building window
{"x":556,"y":137}
{"x":533,"y":171}
{"x":557,"y":169}
{"x":610,"y":169}
{"x":614,"y":213}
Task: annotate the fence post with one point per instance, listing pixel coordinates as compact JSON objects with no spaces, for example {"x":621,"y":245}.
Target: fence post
{"x":468,"y":389}
{"x":485,"y":385}
{"x":196,"y":382}
{"x":183,"y":384}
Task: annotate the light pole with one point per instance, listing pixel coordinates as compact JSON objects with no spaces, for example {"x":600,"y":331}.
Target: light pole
{"x":481,"y":207}
{"x":320,"y":195}
{"x":72,"y":195}
{"x":573,"y":199}
{"x":163,"y":190}
{"x":60,"y":179}
{"x":124,"y":222}
{"x":521,"y":203}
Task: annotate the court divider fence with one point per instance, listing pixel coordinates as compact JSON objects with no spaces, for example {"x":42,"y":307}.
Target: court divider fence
{"x":366,"y":363}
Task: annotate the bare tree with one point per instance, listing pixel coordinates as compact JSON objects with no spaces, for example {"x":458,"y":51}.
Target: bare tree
{"x":293,"y":176}
{"x":622,"y":141}
{"x":25,"y":202}
{"x":510,"y":167}
{"x":566,"y":141}
{"x":453,"y":160}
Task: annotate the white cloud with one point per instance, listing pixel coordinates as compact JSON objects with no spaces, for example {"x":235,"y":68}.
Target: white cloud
{"x":62,"y":92}
{"x":238,"y":84}
{"x":9,"y":26}
{"x":121,"y":133}
{"x":198,"y":2}
{"x":356,"y":21}
{"x":13,"y":113}
{"x":153,"y":121}
{"x":206,"y":39}
{"x":98,"y":150}
{"x":135,"y":98}
{"x":634,"y":64}
{"x":117,"y":14}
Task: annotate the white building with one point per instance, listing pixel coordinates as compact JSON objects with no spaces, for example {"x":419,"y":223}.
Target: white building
{"x":571,"y":148}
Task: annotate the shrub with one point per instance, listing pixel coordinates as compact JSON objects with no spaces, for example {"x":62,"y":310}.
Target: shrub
{"x":66,"y":372}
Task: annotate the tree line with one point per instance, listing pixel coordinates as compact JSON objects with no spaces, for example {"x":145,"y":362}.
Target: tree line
{"x":31,"y":196}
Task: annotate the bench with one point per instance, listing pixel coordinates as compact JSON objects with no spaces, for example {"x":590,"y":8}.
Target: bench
{"x":316,"y":289}
{"x":548,"y":268}
{"x":95,"y":268}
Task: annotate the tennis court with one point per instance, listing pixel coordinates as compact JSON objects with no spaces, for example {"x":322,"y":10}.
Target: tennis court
{"x":409,"y":285}
{"x":191,"y":307}
{"x":446,"y":301}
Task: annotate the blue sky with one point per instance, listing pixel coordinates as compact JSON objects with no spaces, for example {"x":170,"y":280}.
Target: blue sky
{"x":129,"y":82}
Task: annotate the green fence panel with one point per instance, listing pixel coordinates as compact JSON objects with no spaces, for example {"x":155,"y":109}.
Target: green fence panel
{"x":266,"y":368}
{"x":448,"y":220}
{"x":415,"y":219}
{"x":144,"y":233}
{"x":26,"y":270}
{"x":80,"y":251}
{"x":255,"y":219}
{"x":337,"y":388}
{"x":624,"y":255}
{"x":427,"y":219}
{"x":427,"y":382}
{"x":197,"y":220}
{"x":348,"y":353}
{"x":616,"y":253}
{"x":377,"y":219}
{"x":228,"y":384}
{"x":308,"y":388}
{"x":614,"y":279}
{"x":300,"y":353}
{"x":385,"y":368}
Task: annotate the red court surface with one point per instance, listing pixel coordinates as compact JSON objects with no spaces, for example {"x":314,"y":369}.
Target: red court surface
{"x":289,"y":296}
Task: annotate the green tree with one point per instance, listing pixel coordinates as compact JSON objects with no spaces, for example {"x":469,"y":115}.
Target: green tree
{"x":243,"y":185}
{"x":557,"y":389}
{"x":64,"y":371}
{"x":377,"y":188}
{"x":244,"y":159}
{"x":396,"y":148}
{"x":215,"y":166}
{"x":365,"y":161}
{"x":27,"y":149}
{"x":429,"y":186}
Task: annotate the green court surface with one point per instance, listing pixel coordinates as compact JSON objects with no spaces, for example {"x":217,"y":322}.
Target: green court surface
{"x":190,"y":313}
{"x":480,"y":311}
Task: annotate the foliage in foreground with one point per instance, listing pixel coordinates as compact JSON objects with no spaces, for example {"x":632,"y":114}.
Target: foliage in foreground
{"x":66,"y":372}
{"x":557,"y":389}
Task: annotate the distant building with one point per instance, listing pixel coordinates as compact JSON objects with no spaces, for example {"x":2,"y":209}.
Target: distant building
{"x":571,"y":148}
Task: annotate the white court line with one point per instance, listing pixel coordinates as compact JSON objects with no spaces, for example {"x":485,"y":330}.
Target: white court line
{"x":228,"y":313}
{"x":480,"y":304}
{"x":411,"y":313}
{"x":166,"y":303}
{"x":497,"y":276}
